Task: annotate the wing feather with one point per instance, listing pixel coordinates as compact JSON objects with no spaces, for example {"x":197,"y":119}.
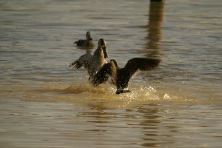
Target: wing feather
{"x":102,"y":75}
{"x":142,"y":64}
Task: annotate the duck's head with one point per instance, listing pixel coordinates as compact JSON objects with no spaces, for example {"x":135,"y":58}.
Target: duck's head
{"x":88,"y":36}
{"x":119,"y":91}
{"x":102,"y":45}
{"x":122,"y":79}
{"x":121,"y":87}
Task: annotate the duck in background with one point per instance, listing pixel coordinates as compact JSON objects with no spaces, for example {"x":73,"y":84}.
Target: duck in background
{"x":85,"y":43}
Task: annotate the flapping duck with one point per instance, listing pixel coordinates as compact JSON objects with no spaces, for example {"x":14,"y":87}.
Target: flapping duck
{"x":121,"y":76}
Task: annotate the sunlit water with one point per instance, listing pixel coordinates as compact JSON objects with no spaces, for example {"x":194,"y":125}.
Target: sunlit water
{"x":45,"y":104}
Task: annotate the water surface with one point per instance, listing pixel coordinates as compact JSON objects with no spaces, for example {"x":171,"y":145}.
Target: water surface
{"x":45,"y":104}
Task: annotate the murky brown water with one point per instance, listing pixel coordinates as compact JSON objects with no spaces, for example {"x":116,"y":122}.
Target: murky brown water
{"x":45,"y":104}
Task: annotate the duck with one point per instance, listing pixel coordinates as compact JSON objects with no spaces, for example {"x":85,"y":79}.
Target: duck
{"x":120,"y":76}
{"x":85,"y":43}
{"x":92,"y":62}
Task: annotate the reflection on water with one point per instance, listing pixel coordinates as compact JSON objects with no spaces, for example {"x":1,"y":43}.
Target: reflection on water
{"x":44,"y":104}
{"x":154,"y":28}
{"x":150,"y":125}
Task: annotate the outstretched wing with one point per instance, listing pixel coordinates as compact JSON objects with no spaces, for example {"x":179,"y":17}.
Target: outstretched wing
{"x":83,"y":60}
{"x":75,"y":65}
{"x":142,"y":64}
{"x":102,"y":75}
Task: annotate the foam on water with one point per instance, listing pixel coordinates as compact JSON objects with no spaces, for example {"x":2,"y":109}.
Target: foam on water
{"x":84,"y":94}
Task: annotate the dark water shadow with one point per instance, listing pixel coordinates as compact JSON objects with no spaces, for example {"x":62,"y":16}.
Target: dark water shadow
{"x":152,"y":125}
{"x":149,"y":125}
{"x":155,"y":19}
